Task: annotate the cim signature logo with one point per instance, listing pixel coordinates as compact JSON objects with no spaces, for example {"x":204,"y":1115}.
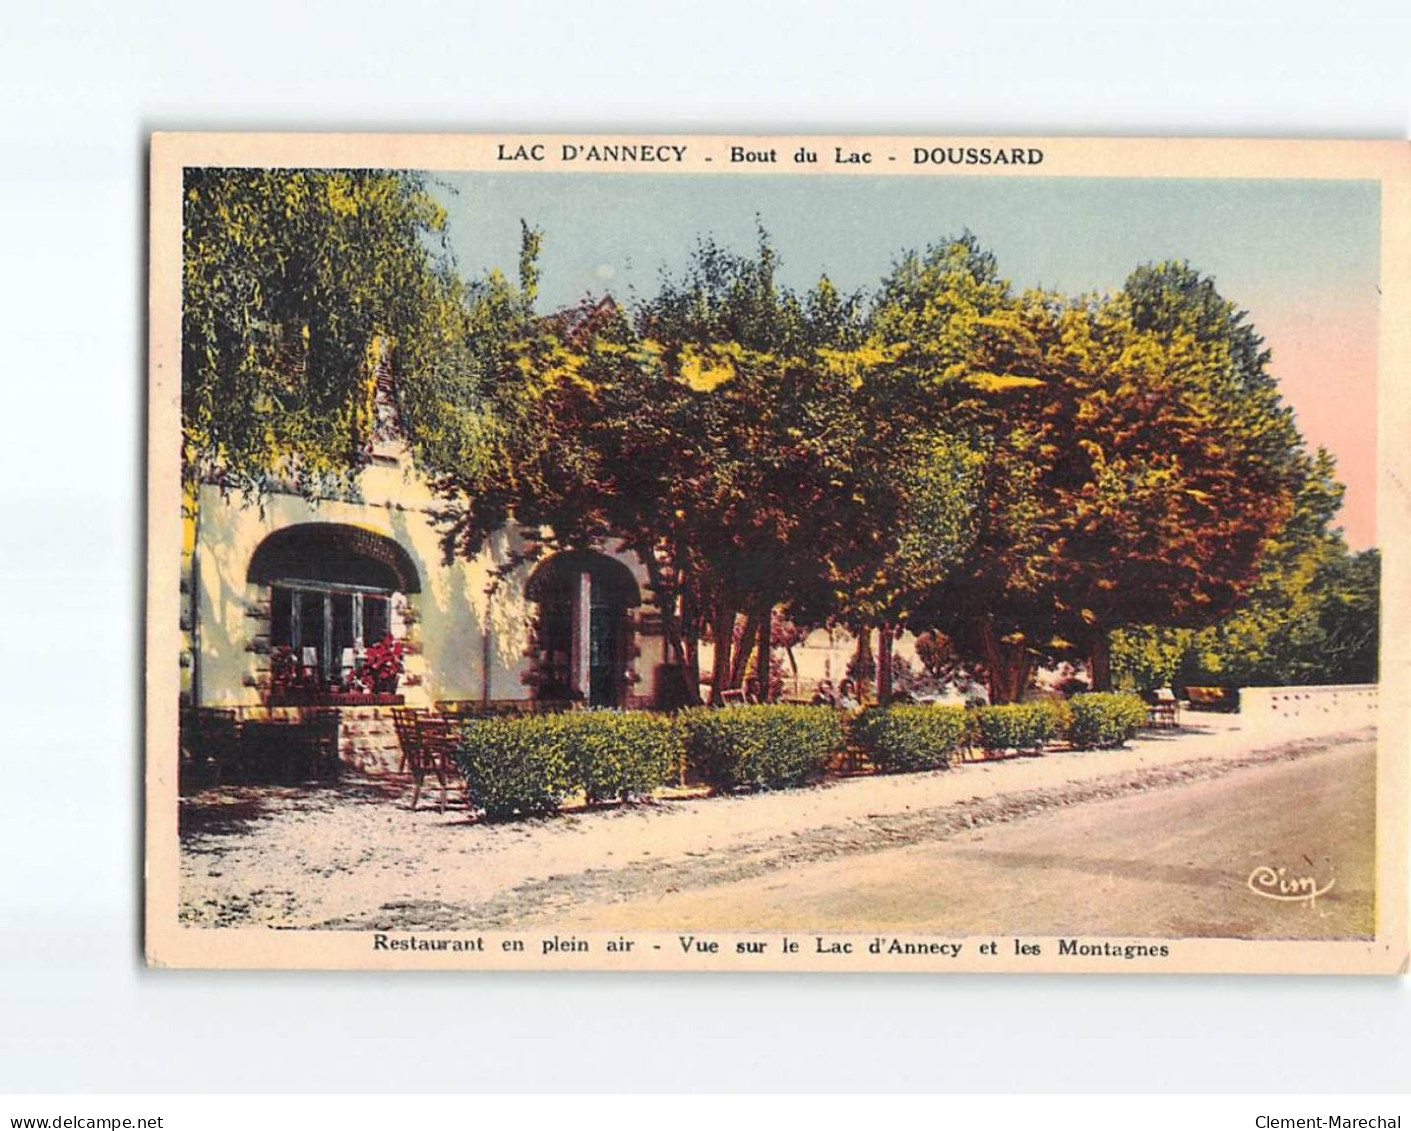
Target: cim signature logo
{"x":1276,"y":883}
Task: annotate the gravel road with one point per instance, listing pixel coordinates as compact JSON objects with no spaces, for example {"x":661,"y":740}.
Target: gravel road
{"x":1180,"y":859}
{"x":353,"y":856}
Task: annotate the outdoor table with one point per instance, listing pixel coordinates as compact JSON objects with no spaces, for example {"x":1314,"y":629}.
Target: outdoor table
{"x":287,"y":752}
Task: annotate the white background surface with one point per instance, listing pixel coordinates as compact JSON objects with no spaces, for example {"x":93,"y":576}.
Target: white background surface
{"x":81,"y":86}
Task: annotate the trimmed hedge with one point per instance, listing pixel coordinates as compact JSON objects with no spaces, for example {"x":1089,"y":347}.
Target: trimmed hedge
{"x":516,"y":767}
{"x":1105,"y":719}
{"x":904,"y":738}
{"x":770,"y":746}
{"x":1024,"y":727}
{"x":616,"y":754}
{"x":522,"y":766}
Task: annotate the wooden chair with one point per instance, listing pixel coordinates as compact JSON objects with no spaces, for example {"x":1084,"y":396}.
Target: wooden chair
{"x":428,"y":742}
{"x":321,"y":739}
{"x":404,"y":720}
{"x":437,"y":737}
{"x":212,"y":745}
{"x":1163,"y":708}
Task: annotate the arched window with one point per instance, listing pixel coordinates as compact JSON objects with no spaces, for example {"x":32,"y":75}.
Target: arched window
{"x":331,"y":589}
{"x":582,"y":635}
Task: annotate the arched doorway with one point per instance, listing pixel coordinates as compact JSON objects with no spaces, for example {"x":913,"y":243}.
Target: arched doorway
{"x":331,"y":591}
{"x":582,"y":634}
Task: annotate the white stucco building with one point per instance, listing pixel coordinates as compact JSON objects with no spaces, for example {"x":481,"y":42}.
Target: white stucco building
{"x":314,"y":583}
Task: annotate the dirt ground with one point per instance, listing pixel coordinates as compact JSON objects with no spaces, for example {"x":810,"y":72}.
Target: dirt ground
{"x":354,"y":856}
{"x":1169,"y":862}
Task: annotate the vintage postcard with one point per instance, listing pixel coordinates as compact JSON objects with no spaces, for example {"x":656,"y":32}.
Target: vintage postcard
{"x":703,"y":553}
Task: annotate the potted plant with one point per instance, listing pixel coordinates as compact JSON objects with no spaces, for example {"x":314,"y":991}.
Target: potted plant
{"x":284,"y":674}
{"x":382,"y":665}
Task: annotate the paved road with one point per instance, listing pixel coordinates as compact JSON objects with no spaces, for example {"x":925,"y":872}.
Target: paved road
{"x":1170,"y":862}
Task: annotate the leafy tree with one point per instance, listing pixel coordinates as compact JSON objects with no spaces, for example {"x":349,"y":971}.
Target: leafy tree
{"x":505,"y":429}
{"x":1136,"y":457}
{"x":934,"y":651}
{"x":297,"y":285}
{"x":922,"y":488}
{"x":767,"y":491}
{"x":1145,"y":657}
{"x":1311,"y":617}
{"x":1182,"y":462}
{"x":922,"y":465}
{"x":968,"y":370}
{"x":1022,"y":475}
{"x":700,"y":431}
{"x":1349,"y":620}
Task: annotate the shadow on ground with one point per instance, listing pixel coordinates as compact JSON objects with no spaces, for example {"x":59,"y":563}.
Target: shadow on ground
{"x":230,"y":810}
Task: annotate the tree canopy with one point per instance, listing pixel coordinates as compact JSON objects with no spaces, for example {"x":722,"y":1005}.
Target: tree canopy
{"x":294,"y":283}
{"x":1020,"y":476}
{"x":1311,"y":615}
{"x":1135,"y":457}
{"x":1022,"y":473}
{"x":700,"y":429}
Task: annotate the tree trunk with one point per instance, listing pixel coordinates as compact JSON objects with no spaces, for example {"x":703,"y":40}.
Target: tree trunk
{"x":664,"y":598}
{"x":1100,"y":663}
{"x":724,"y":630}
{"x":1023,"y":668}
{"x":861,"y":661}
{"x":884,"y":664}
{"x":1008,"y":663}
{"x":194,"y":599}
{"x":691,"y":632}
{"x":741,"y":663}
{"x":693,"y":670}
{"x":763,"y":651}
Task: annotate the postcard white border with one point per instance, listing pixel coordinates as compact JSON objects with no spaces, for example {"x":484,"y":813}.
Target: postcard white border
{"x":1387,"y":162}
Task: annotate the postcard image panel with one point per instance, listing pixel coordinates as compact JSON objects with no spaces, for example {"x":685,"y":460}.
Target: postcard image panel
{"x":910,"y":554}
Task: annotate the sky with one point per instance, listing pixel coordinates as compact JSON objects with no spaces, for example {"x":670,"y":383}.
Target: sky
{"x":1301,"y":256}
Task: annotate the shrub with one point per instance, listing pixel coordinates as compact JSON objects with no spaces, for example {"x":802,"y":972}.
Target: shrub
{"x":1061,"y":713}
{"x":1015,"y":726}
{"x":770,"y":746}
{"x":902,"y":738}
{"x":1105,"y":719}
{"x":516,"y":767}
{"x":616,"y":754}
{"x":528,"y":765}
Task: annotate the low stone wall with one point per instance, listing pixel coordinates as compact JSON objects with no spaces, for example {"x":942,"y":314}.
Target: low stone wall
{"x":1328,"y":707}
{"x":367,"y":739}
{"x":367,"y":735}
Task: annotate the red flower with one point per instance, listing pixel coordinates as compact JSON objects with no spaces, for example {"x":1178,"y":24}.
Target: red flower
{"x":382,"y":661}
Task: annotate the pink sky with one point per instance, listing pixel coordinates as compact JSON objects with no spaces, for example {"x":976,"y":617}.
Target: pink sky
{"x":1325,"y":359}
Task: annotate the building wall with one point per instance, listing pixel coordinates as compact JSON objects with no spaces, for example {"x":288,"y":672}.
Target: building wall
{"x":453,"y":626}
{"x":824,"y":654}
